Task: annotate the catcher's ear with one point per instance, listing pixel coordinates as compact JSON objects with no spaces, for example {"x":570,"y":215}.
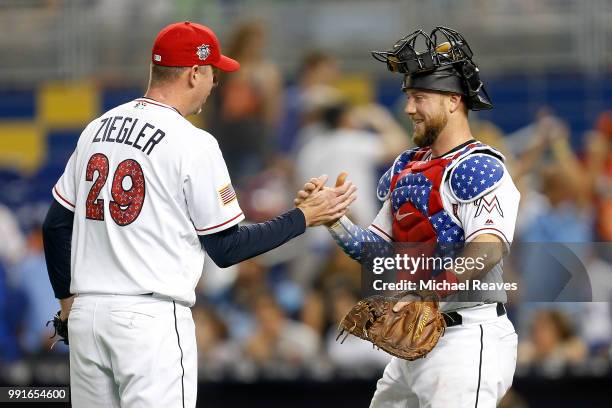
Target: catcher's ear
{"x":454,"y":102}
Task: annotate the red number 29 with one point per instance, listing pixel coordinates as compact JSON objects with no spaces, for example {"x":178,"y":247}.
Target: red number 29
{"x":127,"y":202}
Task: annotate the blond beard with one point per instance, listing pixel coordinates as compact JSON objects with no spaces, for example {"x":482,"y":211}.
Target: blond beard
{"x":432,"y":129}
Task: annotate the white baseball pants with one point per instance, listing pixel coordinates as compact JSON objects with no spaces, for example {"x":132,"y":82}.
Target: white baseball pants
{"x":131,"y":352}
{"x":471,"y":366}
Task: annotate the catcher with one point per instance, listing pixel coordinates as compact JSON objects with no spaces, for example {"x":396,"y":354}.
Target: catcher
{"x":450,"y":189}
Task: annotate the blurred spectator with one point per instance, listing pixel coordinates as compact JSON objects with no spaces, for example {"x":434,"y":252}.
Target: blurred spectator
{"x":357,"y":140}
{"x":317,"y":69}
{"x":238,"y":302}
{"x":558,"y":216}
{"x":553,"y":341}
{"x":12,"y":301}
{"x":555,"y":207}
{"x":340,"y":267}
{"x":245,"y":107}
{"x":249,"y":45}
{"x":599,"y":168}
{"x":279,"y":340}
{"x":561,"y":210}
{"x":313,"y":312}
{"x":215,"y":348}
{"x":34,"y":281}
{"x":9,"y":346}
{"x":266,"y":195}
{"x":342,"y":352}
{"x":13,"y":246}
{"x":216,"y":282}
{"x":596,"y":328}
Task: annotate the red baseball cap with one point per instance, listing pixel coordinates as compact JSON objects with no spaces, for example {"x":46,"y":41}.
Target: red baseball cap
{"x":186,"y":44}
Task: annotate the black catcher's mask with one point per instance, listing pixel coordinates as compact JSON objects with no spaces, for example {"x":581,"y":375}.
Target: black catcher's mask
{"x":445,"y":65}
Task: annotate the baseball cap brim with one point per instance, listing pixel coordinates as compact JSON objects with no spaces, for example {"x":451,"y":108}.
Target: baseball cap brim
{"x":227,"y":64}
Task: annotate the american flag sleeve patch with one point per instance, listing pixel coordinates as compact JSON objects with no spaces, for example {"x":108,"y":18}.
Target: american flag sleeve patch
{"x":227,"y":194}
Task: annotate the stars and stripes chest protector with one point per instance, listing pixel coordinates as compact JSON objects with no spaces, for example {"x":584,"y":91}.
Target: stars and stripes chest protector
{"x":413,"y":186}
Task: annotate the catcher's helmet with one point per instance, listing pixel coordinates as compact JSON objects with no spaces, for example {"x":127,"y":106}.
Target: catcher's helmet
{"x":444,"y":66}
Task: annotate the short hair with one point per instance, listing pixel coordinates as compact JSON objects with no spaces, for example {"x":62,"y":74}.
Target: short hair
{"x":161,"y":75}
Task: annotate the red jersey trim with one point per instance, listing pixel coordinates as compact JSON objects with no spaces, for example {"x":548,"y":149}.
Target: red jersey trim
{"x":491,"y":229}
{"x":161,"y":105}
{"x":219,"y":225}
{"x":382,"y":232}
{"x":63,"y":199}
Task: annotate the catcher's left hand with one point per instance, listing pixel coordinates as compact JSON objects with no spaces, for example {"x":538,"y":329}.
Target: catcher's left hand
{"x":61,"y":328}
{"x":409,"y":333}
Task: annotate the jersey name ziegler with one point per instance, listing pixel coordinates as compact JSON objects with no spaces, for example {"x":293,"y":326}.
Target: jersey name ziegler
{"x":126,"y":130}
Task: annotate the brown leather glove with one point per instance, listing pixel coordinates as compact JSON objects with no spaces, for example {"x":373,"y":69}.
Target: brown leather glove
{"x":410,"y":333}
{"x":61,"y":328}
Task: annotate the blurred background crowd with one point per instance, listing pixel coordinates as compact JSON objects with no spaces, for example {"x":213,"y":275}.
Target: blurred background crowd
{"x":309,"y":100}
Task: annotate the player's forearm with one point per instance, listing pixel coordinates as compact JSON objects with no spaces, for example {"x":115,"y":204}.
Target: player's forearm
{"x":484,"y":255}
{"x":486,"y":251}
{"x":237,"y":244}
{"x":57,"y":239}
{"x":351,"y":238}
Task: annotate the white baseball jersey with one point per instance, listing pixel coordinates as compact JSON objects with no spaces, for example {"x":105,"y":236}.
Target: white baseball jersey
{"x":143,"y":183}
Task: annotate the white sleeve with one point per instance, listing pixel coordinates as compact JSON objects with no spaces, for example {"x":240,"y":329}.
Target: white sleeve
{"x":64,"y":190}
{"x":211,"y":199}
{"x":494,"y":213}
{"x":383,"y":223}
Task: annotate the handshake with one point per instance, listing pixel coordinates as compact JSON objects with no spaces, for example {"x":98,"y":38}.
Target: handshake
{"x":323,"y":205}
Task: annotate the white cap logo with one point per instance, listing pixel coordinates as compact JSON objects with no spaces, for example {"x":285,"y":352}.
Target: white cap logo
{"x":203,"y":51}
{"x":156,"y":57}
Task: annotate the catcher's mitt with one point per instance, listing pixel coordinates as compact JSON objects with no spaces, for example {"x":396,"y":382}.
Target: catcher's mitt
{"x":61,"y":328}
{"x":410,"y":333}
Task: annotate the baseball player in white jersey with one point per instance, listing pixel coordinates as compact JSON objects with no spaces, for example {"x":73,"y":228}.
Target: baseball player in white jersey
{"x":143,"y":197}
{"x":450,"y":189}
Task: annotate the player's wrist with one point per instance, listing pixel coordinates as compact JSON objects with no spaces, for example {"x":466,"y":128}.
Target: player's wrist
{"x":305,"y":211}
{"x":336,"y":225}
{"x":65,"y":307}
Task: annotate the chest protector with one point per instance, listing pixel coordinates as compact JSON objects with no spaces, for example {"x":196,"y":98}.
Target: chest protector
{"x":413,"y":186}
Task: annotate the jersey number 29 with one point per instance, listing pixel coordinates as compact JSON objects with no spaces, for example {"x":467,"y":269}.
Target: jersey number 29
{"x":127,"y":203}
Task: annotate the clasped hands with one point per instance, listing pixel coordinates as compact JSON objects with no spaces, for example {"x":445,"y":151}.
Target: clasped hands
{"x":323,"y":205}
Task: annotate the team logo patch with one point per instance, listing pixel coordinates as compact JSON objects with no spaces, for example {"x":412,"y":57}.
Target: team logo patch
{"x":203,"y":51}
{"x":488,"y":205}
{"x":227,"y":194}
{"x":157,"y":57}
